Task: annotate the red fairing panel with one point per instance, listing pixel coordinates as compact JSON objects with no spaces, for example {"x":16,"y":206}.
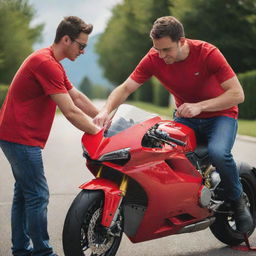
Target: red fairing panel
{"x":112,"y":197}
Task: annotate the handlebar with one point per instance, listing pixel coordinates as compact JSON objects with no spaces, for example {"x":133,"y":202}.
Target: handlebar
{"x":165,"y":136}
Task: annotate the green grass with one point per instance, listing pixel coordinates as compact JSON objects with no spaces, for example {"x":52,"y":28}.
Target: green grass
{"x":162,"y":111}
{"x":245,"y":127}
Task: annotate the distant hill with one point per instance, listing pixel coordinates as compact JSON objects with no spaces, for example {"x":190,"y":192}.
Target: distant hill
{"x":86,"y":65}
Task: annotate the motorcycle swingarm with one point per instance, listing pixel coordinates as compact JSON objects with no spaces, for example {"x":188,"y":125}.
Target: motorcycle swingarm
{"x":112,"y":197}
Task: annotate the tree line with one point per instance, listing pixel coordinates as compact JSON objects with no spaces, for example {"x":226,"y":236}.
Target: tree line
{"x":229,"y":24}
{"x":17,"y":36}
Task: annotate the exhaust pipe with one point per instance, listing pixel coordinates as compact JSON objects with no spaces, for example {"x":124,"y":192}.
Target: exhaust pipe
{"x":197,"y":226}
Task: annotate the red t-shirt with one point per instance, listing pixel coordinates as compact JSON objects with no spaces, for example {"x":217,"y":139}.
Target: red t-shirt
{"x":28,"y":111}
{"x":194,"y":79}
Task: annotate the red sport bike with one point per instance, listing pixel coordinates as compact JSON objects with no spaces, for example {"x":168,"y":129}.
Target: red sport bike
{"x":152,"y":179}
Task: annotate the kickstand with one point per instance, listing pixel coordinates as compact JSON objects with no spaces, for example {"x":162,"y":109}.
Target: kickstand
{"x":246,"y":239}
{"x":244,"y":248}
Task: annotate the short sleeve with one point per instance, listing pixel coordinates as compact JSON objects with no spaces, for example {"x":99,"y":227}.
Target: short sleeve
{"x":52,"y":78}
{"x":143,"y":71}
{"x":218,"y":65}
{"x":67,"y":83}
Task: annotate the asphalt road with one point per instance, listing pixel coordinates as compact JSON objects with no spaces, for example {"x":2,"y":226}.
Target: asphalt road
{"x":65,"y":170}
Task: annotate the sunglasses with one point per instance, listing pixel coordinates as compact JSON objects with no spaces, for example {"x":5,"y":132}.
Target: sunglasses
{"x":81,"y":46}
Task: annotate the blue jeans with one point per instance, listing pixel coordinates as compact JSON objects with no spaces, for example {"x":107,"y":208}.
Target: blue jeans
{"x":220,"y":134}
{"x":30,"y":200}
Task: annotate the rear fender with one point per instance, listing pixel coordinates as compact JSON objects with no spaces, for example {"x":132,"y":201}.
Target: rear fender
{"x":112,"y":197}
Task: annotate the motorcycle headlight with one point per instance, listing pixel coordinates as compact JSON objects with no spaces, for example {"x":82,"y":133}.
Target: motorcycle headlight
{"x":121,"y":154}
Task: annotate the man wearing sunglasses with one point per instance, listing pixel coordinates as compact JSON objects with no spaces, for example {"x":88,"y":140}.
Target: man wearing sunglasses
{"x":26,"y":118}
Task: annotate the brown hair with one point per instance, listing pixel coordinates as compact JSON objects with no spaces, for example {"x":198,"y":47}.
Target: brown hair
{"x":72,"y":26}
{"x":167,"y":26}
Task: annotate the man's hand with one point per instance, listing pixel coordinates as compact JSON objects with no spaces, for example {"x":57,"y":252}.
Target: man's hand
{"x":189,"y":110}
{"x":233,"y":95}
{"x":101,"y":119}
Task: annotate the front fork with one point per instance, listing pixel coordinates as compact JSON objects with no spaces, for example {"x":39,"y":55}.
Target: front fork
{"x":112,"y":202}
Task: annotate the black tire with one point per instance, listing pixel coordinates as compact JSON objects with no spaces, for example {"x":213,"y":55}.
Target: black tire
{"x":223,"y":227}
{"x":85,"y":214}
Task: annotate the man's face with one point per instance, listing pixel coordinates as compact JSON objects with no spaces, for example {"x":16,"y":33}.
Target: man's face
{"x":169,"y":50}
{"x":76,"y":47}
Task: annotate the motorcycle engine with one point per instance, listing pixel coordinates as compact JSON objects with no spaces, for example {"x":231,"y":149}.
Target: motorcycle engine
{"x":205,"y":196}
{"x":211,"y":181}
{"x":215,"y":180}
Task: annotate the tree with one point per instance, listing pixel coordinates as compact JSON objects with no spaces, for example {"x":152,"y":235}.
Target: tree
{"x":230,"y":25}
{"x":161,"y":97}
{"x":100,"y":92}
{"x":93,"y":91}
{"x":86,"y":87}
{"x":17,"y":37}
{"x":126,"y":39}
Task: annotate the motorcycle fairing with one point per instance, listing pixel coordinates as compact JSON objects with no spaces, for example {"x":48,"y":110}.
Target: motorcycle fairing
{"x":98,"y":145}
{"x":180,"y":208}
{"x":112,"y":197}
{"x":162,"y":169}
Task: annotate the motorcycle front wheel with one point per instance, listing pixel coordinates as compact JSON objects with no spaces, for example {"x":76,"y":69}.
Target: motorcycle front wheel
{"x":83,"y":234}
{"x":224,"y":228}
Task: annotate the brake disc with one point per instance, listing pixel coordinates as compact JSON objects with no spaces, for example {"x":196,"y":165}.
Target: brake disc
{"x":96,"y":247}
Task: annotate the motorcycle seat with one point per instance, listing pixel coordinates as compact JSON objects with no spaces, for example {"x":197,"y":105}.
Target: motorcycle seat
{"x":199,"y":157}
{"x":201,"y":150}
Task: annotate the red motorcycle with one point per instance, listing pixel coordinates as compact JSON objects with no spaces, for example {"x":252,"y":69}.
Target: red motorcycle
{"x":152,"y":180}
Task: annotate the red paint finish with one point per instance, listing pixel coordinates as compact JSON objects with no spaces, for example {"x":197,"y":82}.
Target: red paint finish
{"x":170,"y":181}
{"x":112,"y":197}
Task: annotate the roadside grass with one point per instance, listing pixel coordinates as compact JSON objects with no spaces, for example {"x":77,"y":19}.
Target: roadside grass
{"x":245,"y":127}
{"x":165,"y":112}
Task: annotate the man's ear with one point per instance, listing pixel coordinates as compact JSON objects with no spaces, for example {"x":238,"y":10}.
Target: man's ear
{"x":66,"y":40}
{"x":182,"y":41}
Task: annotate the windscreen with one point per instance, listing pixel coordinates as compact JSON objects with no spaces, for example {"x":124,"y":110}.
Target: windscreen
{"x":125,"y":117}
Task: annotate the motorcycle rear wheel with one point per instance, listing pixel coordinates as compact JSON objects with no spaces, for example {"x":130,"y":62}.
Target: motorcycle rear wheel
{"x":224,"y":228}
{"x":83,"y":234}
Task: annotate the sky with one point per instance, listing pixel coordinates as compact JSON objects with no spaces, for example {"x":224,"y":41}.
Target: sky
{"x":51,"y":12}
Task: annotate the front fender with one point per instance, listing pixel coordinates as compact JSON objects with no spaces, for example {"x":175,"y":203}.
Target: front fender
{"x":112,"y":197}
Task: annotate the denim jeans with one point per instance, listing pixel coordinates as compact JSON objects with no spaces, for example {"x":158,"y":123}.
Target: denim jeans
{"x":220,"y":134}
{"x":30,"y":200}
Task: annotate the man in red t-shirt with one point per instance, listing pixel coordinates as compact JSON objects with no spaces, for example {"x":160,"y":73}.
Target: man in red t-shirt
{"x":26,"y":118}
{"x":206,"y":92}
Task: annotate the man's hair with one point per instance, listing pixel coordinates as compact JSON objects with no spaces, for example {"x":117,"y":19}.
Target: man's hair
{"x":167,"y":26}
{"x":72,"y":26}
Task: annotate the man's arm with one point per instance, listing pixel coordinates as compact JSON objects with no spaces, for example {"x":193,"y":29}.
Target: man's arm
{"x":232,"y":96}
{"x":115,"y":99}
{"x":73,"y":113}
{"x":83,"y":102}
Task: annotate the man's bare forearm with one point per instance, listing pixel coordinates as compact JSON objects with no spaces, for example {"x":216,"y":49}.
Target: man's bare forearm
{"x":115,"y":99}
{"x":81,"y":121}
{"x":120,"y":94}
{"x":231,"y":97}
{"x":85,"y":104}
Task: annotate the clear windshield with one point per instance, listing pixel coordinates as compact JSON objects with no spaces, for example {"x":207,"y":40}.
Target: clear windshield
{"x":126,"y":116}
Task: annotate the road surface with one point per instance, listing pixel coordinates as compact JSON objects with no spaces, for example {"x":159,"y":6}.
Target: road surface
{"x":65,"y":170}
